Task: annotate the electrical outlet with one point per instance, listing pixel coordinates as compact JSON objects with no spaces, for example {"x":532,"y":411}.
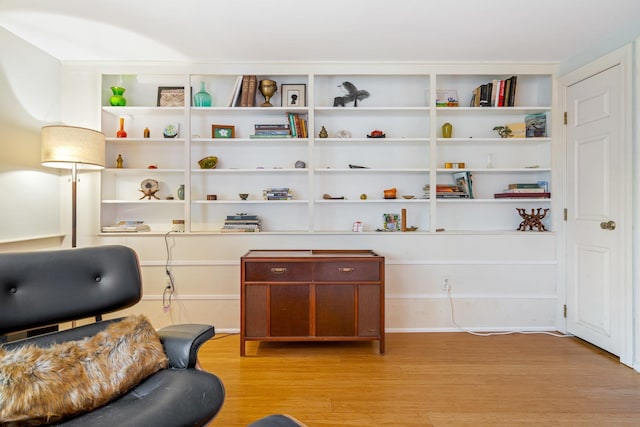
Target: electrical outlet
{"x":444,"y":283}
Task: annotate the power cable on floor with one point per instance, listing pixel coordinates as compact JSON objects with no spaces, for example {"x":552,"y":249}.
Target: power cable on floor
{"x":489,"y":334}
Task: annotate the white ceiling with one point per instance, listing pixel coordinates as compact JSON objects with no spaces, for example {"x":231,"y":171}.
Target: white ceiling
{"x":325,"y":30}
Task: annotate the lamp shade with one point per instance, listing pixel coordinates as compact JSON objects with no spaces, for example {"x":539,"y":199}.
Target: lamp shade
{"x":64,"y":146}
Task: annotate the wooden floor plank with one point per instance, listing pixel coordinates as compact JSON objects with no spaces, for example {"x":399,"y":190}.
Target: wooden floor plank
{"x":426,"y":379}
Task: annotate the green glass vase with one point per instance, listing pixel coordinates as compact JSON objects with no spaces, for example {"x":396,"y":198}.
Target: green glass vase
{"x":202,"y":98}
{"x":117,"y":100}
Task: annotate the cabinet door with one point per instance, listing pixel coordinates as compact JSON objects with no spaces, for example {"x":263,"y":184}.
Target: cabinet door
{"x":256,"y":310}
{"x":369,"y":310}
{"x":289,"y":310}
{"x":335,"y":310}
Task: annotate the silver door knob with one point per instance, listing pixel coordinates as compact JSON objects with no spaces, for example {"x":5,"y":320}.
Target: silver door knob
{"x":608,"y":225}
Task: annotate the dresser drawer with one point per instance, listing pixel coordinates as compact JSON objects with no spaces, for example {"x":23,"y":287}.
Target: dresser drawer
{"x":273,"y":271}
{"x":346,"y":271}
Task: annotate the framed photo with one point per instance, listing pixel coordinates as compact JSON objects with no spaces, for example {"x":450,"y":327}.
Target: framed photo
{"x":447,"y":98}
{"x":223,"y":131}
{"x":170,"y":96}
{"x":294,"y":95}
{"x":392,"y":222}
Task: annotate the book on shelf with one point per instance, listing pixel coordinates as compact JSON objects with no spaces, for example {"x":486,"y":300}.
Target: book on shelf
{"x":277,"y":194}
{"x":244,"y":97}
{"x":271,"y":131}
{"x":496,"y":93}
{"x":512,"y":92}
{"x":520,"y":185}
{"x":500,"y":96}
{"x":507,"y":93}
{"x":271,"y":126}
{"x":298,"y":125}
{"x":268,"y":136}
{"x":495,"y":88}
{"x":242,"y":216}
{"x":525,"y":190}
{"x":525,"y":195}
{"x":236,"y":225}
{"x":235,"y":94}
{"x":445,"y":191}
{"x":251,"y":97}
{"x":225,"y":229}
{"x":485,"y":95}
{"x":241,"y":223}
{"x":452,"y":195}
{"x":463,"y":182}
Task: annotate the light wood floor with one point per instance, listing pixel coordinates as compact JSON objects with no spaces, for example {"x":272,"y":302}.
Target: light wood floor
{"x":436,"y":379}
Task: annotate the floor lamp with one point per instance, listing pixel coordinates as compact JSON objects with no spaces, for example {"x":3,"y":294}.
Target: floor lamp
{"x":69,"y":147}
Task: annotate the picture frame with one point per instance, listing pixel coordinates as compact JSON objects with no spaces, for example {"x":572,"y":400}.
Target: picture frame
{"x":294,"y":95}
{"x":223,"y":131}
{"x":447,"y":98}
{"x":171,"y":96}
{"x":392,"y":222}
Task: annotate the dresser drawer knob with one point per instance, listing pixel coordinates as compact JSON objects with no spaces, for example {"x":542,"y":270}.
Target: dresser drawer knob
{"x":346,"y":269}
{"x":278,"y":270}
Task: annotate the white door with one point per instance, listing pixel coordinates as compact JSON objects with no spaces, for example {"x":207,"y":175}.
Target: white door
{"x":597,"y":185}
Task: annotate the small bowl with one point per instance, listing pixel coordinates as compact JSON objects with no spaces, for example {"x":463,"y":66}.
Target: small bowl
{"x":390,"y":193}
{"x":209,"y":162}
{"x":243,"y":196}
{"x":408,"y":196}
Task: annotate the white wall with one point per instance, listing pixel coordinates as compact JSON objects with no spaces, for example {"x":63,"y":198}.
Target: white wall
{"x":623,"y":36}
{"x":30,"y":88}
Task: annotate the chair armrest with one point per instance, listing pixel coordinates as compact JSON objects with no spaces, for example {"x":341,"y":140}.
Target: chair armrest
{"x":181,"y":343}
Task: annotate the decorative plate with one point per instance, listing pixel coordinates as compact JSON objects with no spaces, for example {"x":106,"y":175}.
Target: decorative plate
{"x":149,"y":185}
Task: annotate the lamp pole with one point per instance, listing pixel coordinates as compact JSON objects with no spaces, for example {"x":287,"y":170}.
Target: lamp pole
{"x":74,"y":198}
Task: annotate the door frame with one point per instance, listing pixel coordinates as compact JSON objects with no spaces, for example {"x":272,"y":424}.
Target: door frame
{"x":624,"y":303}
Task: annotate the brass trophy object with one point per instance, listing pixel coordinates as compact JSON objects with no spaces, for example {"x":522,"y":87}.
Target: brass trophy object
{"x":267,"y":88}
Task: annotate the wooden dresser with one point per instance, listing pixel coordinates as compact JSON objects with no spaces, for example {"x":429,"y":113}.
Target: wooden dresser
{"x":312,"y":295}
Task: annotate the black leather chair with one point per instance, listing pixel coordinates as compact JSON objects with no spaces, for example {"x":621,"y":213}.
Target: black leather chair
{"x":39,"y":289}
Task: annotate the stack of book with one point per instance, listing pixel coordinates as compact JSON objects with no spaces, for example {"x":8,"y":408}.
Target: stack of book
{"x":240,"y":223}
{"x":271,"y":131}
{"x":524,"y":190}
{"x":496,"y":93}
{"x":298,"y":125}
{"x":276,"y":194}
{"x":126,"y":227}
{"x":445,"y":191}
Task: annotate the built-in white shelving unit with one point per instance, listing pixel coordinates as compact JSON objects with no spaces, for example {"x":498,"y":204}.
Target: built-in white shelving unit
{"x":328,"y":192}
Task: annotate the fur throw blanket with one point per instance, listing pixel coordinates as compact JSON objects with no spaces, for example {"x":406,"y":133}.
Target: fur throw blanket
{"x":43,"y":385}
